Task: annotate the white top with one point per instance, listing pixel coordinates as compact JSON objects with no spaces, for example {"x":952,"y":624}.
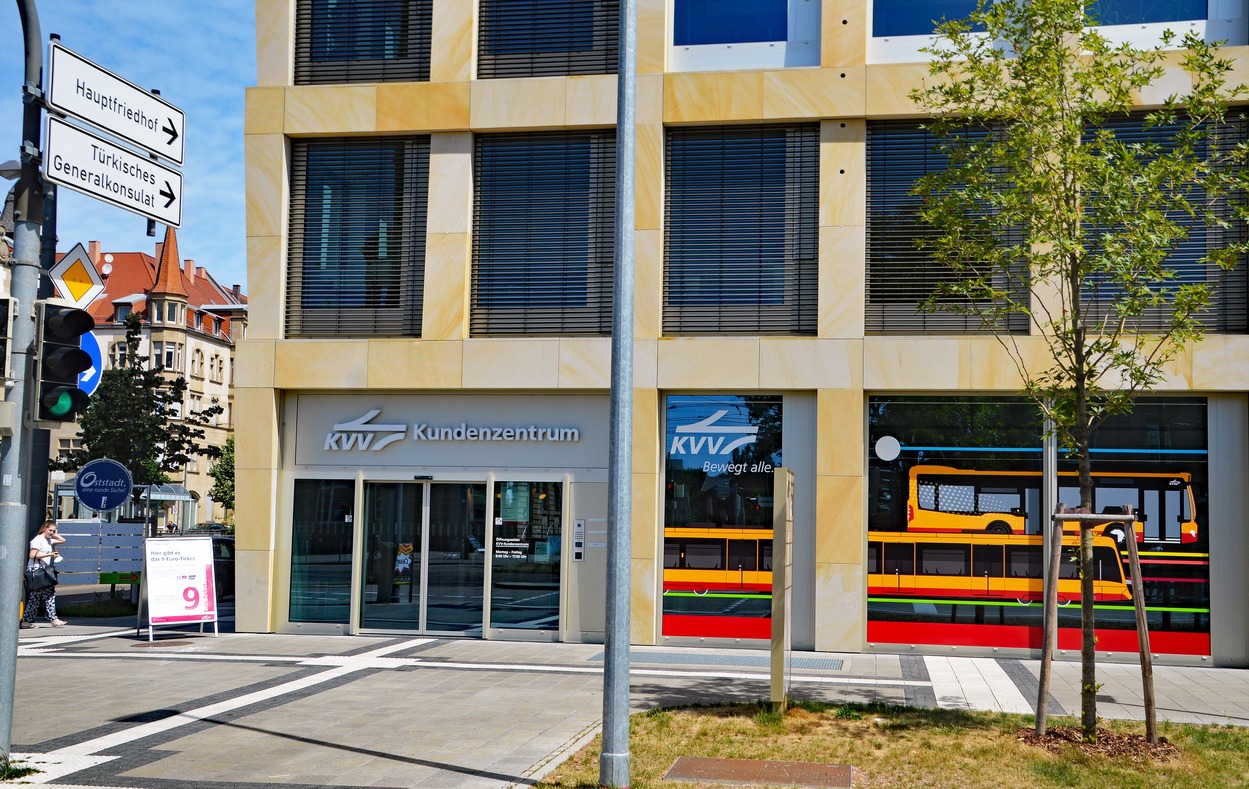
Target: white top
{"x":40,"y":544}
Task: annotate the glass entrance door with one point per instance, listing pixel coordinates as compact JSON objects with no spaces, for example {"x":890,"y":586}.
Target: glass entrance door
{"x":424,"y":557}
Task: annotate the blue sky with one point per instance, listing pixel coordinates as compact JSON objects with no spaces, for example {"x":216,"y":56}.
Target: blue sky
{"x":201,"y":55}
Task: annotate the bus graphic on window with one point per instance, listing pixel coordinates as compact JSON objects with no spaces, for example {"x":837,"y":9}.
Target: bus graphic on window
{"x":947,"y":499}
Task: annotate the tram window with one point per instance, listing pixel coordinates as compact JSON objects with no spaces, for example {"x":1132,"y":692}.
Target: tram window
{"x":765,"y":555}
{"x":1069,"y":496}
{"x":873,"y":557}
{"x":672,"y":554}
{"x":900,"y":558}
{"x":1069,"y":567}
{"x":943,"y":559}
{"x":742,"y":555}
{"x":957,"y":498}
{"x":704,"y":554}
{"x":1155,"y":528}
{"x":986,"y":560}
{"x":1023,"y":561}
{"x":1107,"y":566}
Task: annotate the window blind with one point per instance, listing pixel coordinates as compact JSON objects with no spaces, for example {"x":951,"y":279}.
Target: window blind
{"x":540,"y":38}
{"x":741,"y":229}
{"x":357,"y":237}
{"x":900,"y":276}
{"x":341,"y":41}
{"x":543,"y":233}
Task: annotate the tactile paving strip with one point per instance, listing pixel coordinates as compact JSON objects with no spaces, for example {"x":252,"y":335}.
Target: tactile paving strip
{"x":756,"y":771}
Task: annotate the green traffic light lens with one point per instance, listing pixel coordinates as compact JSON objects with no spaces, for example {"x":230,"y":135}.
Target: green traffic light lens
{"x":63,"y":405}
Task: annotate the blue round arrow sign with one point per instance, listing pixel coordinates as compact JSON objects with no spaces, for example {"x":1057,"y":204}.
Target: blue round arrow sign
{"x":103,"y":485}
{"x":89,"y":379}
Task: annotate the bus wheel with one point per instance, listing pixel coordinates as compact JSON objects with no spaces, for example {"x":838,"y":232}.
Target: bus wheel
{"x":998,"y":527}
{"x":1117,"y":533}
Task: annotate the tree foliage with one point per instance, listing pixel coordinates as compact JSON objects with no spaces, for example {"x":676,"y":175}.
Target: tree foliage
{"x":133,"y":417}
{"x":1047,"y":211}
{"x":222,"y":472}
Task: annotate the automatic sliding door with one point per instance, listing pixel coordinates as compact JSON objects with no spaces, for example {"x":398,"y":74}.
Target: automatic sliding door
{"x":455,"y":565}
{"x":392,"y":558}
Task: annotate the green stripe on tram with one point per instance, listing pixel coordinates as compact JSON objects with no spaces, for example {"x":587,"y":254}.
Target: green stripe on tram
{"x":719,"y":594}
{"x":1016,"y":604}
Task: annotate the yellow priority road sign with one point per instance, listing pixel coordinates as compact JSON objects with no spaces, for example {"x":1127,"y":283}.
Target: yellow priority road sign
{"x":76,"y":279}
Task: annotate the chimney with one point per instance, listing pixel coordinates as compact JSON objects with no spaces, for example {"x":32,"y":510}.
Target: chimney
{"x":188,"y":266}
{"x":237,"y":290}
{"x":93,"y":252}
{"x":160,"y":246}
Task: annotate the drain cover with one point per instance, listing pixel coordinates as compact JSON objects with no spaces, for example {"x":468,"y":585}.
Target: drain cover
{"x":756,"y":771}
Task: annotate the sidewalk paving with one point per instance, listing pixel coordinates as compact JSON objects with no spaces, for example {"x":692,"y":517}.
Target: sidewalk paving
{"x":96,"y":705}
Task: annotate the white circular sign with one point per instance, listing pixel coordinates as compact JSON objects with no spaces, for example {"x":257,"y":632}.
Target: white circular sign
{"x":888,"y":448}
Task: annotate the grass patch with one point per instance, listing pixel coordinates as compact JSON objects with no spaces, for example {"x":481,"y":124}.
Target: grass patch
{"x":14,"y":770}
{"x":891,"y":746}
{"x":102,"y":607}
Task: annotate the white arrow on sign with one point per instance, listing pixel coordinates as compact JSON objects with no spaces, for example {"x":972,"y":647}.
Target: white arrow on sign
{"x":80,"y":88}
{"x":96,"y":167}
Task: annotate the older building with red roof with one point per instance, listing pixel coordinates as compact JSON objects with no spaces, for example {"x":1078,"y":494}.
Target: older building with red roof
{"x":190,"y":326}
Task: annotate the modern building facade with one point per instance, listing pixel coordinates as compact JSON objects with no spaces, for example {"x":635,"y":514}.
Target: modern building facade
{"x":189,"y":326}
{"x":423,"y":392}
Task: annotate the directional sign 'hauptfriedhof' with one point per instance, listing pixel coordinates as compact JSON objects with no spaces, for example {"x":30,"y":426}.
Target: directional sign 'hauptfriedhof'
{"x":101,"y":169}
{"x":80,"y":88}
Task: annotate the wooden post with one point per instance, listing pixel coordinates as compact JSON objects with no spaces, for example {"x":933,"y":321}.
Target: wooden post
{"x":1049,"y":628}
{"x":1142,"y":635}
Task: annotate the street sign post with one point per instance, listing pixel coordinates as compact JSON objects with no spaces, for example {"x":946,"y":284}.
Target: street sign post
{"x":103,"y":485}
{"x":80,"y":88}
{"x":96,"y":167}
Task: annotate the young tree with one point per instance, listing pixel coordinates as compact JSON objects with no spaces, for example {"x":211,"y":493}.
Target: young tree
{"x":1047,"y":210}
{"x":222,"y":472}
{"x":133,"y":418}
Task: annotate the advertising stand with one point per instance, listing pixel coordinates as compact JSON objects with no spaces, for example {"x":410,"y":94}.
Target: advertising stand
{"x":177,"y":583}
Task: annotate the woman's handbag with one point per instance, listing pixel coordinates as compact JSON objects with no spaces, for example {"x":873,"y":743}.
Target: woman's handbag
{"x":41,"y":577}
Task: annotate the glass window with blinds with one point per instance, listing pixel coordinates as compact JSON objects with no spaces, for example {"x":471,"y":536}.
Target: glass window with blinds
{"x":899,"y":275}
{"x":357,"y":237}
{"x":741,"y":229}
{"x":547,"y":38}
{"x":1228,"y":310}
{"x":341,"y":41}
{"x":543,"y":233}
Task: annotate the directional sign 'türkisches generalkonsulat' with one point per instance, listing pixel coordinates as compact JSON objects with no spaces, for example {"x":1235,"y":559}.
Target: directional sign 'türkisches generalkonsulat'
{"x":96,"y":167}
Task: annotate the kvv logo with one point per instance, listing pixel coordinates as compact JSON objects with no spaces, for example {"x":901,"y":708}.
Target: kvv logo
{"x":359,"y":434}
{"x":711,"y":438}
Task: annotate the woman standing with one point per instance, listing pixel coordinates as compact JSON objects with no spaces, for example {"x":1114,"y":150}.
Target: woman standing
{"x":43,"y":551}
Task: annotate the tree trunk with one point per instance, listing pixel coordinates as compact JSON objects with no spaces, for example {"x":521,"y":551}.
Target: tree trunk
{"x":1088,"y":643}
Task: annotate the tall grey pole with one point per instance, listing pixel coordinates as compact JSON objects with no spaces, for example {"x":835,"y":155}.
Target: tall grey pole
{"x":614,"y":759}
{"x":28,"y":215}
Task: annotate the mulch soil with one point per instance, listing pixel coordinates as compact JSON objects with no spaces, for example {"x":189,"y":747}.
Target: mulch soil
{"x":1108,"y":743}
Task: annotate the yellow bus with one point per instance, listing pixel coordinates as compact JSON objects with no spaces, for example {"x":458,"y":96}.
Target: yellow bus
{"x":985,"y":567}
{"x":954,"y":500}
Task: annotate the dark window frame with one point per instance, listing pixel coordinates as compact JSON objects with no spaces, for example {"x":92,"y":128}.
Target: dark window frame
{"x":348,"y":41}
{"x":741,"y":230}
{"x":340,"y":204}
{"x":545,"y":38}
{"x":543,"y":233}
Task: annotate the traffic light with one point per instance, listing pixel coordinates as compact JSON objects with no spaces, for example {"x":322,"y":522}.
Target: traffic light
{"x":59,"y":359}
{"x":6,"y":335}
